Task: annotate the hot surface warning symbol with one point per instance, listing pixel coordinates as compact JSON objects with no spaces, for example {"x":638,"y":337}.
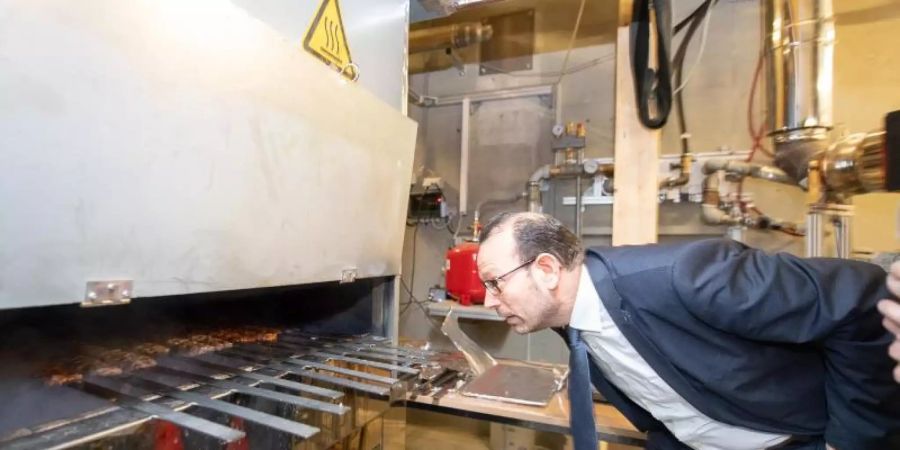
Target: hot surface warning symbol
{"x":325,"y":38}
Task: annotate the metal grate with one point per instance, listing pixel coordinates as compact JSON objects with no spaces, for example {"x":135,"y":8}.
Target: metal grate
{"x":288,"y":372}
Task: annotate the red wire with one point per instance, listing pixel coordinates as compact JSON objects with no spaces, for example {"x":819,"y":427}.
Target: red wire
{"x":756,"y":133}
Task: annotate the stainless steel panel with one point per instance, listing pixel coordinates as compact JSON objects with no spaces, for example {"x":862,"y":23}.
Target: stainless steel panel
{"x":183,"y":145}
{"x":528,"y":385}
{"x":376,"y":35}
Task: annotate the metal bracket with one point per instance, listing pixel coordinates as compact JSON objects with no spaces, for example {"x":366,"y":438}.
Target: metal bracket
{"x":348,"y":276}
{"x":458,"y":63}
{"x":567,"y":141}
{"x":106,"y":293}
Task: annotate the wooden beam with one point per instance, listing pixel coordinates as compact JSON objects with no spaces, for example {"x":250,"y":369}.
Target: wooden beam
{"x":635,"y":204}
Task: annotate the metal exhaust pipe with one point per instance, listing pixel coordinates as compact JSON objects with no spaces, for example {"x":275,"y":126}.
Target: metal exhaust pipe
{"x":800,"y":78}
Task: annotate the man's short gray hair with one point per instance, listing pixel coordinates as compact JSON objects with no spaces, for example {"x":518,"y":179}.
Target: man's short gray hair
{"x":536,"y":233}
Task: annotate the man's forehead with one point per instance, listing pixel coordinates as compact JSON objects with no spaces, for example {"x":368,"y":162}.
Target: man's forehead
{"x":499,"y":248}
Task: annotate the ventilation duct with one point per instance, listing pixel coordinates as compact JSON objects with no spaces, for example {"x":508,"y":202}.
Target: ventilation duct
{"x":800,"y":69}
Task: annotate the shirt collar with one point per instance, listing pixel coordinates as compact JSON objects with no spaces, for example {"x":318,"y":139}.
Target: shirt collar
{"x":586,"y":312}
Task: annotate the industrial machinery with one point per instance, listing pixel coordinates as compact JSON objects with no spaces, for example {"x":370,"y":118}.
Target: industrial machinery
{"x":191,"y":204}
{"x":568,"y":163}
{"x":204,"y":227}
{"x":427,"y":205}
{"x":799,"y":61}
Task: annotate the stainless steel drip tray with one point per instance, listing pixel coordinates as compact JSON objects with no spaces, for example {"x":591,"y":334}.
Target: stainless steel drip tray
{"x":522,"y":383}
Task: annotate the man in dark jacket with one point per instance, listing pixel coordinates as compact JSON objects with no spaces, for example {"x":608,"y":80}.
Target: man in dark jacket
{"x":708,"y":344}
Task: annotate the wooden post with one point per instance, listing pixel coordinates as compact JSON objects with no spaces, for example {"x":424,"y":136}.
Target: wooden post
{"x":635,"y":203}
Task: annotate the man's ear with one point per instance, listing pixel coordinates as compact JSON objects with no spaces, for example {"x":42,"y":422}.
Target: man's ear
{"x":548,"y":270}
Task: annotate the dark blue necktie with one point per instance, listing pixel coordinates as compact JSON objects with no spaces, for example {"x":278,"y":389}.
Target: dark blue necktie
{"x":581,"y":405}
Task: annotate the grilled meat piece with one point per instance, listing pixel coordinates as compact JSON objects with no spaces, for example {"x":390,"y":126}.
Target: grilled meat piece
{"x":205,"y":339}
{"x":103,"y":361}
{"x":266,"y":334}
{"x":233,"y":336}
{"x":151,"y":349}
{"x":187,"y":347}
{"x":124,"y":360}
{"x":58,"y":375}
{"x":196,"y":344}
{"x":246,"y":335}
{"x":75,"y":368}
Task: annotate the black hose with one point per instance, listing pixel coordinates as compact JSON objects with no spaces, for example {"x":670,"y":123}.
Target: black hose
{"x":653,"y":88}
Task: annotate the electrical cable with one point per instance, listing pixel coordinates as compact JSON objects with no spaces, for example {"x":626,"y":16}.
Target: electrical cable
{"x":412,"y":299}
{"x":687,"y":20}
{"x":412,"y":272}
{"x":703,"y":14}
{"x":678,"y":63}
{"x":458,"y":228}
{"x":412,"y":280}
{"x":419,"y":304}
{"x":565,"y":64}
{"x":703,"y":36}
{"x":450,"y":227}
{"x":756,"y":134}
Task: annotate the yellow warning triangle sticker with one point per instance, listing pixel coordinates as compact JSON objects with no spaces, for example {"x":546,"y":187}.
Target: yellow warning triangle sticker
{"x":325,"y":38}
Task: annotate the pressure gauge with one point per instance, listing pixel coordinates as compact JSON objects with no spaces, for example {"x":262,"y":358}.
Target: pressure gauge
{"x":591,"y":166}
{"x":558,"y":130}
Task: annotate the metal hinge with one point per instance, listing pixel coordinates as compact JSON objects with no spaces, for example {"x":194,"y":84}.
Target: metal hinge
{"x":348,"y":275}
{"x":108,"y":293}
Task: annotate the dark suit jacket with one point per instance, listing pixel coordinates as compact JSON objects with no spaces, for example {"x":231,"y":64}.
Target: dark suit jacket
{"x":772,"y":343}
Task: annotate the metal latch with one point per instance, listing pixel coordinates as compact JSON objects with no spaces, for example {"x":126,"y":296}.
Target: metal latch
{"x":106,"y":293}
{"x":348,"y":275}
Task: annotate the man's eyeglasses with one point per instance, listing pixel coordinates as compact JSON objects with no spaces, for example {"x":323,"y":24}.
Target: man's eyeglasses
{"x":493,"y":285}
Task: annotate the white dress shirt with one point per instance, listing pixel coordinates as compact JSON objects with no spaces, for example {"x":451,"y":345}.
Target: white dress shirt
{"x":627,"y":370}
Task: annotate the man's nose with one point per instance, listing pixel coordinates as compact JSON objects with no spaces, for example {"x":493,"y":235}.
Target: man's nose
{"x":491,"y":300}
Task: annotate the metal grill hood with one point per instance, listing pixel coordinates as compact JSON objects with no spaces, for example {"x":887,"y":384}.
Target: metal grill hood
{"x":186,"y":147}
